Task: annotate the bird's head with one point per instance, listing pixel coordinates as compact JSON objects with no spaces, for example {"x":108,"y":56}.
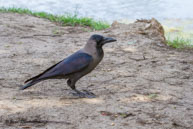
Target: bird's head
{"x":99,"y":40}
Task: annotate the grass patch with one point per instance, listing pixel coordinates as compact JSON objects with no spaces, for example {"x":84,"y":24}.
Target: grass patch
{"x":65,"y":20}
{"x":180,"y":42}
{"x":177,"y":38}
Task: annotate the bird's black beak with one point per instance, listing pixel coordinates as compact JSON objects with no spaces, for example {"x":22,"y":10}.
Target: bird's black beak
{"x":108,"y":40}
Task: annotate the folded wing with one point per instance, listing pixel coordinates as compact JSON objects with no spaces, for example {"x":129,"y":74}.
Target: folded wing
{"x":74,"y":63}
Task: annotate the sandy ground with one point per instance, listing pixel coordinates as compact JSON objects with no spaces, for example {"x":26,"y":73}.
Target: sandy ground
{"x":140,"y":84}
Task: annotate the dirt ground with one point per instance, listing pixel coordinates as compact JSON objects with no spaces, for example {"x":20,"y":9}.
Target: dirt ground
{"x":140,"y":84}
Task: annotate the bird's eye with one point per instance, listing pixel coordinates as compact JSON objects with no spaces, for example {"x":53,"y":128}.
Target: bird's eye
{"x":99,"y":41}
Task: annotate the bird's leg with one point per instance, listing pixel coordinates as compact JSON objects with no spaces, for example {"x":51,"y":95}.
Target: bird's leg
{"x":85,"y":94}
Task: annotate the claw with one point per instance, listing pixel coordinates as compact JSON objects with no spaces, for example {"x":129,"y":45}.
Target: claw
{"x":85,"y":94}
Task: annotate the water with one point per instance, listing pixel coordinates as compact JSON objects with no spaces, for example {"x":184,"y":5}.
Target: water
{"x":173,"y":13}
{"x":110,"y":10}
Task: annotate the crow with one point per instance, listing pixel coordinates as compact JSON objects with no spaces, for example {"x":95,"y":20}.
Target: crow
{"x":75,"y":66}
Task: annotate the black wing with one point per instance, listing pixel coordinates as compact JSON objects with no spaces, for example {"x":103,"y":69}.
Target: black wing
{"x":72,"y":64}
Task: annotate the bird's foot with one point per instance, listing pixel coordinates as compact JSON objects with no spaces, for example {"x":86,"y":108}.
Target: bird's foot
{"x":84,"y":94}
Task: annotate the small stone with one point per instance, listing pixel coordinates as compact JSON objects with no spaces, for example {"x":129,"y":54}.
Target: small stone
{"x":112,"y":124}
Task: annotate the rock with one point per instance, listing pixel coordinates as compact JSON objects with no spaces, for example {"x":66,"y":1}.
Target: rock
{"x":153,"y":29}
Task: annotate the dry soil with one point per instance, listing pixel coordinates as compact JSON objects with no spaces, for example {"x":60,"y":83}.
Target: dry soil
{"x":140,"y":84}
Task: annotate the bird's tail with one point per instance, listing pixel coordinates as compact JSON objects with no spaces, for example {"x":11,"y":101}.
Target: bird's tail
{"x":29,"y":84}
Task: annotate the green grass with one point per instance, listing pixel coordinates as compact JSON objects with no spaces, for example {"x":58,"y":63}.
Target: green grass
{"x":65,"y":20}
{"x":180,"y":42}
{"x":178,"y":38}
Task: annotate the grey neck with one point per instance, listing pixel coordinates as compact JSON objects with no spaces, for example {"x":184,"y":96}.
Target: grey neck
{"x":100,"y":51}
{"x":92,"y":48}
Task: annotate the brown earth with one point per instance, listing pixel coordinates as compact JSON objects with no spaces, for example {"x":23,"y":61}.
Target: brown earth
{"x":141,"y":83}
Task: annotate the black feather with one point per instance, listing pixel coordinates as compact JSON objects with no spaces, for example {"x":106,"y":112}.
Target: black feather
{"x":36,"y":77}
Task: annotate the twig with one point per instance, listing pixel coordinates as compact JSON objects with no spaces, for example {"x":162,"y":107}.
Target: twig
{"x":36,"y":35}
